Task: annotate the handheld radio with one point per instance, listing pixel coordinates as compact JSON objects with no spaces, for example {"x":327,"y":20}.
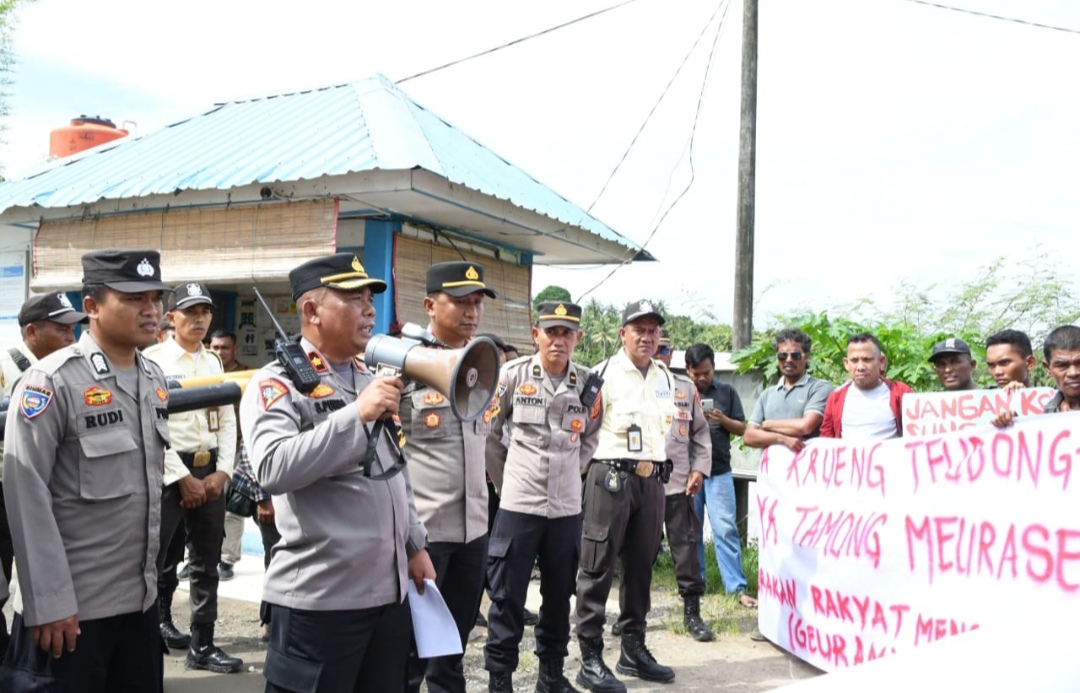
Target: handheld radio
{"x":291,"y":355}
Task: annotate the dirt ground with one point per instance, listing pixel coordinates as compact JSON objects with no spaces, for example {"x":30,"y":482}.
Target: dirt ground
{"x":732,"y":663}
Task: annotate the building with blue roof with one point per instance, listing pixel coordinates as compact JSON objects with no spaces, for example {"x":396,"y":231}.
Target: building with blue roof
{"x":242,"y":193}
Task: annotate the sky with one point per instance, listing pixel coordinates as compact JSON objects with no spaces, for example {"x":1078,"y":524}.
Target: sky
{"x":895,"y":141}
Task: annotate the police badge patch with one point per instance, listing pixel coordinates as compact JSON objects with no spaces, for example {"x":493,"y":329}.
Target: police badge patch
{"x":35,"y":400}
{"x":271,"y":391}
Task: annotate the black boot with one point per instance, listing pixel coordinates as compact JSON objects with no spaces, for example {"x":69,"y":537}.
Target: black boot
{"x":500,"y":682}
{"x":698,"y":629}
{"x":203,"y":654}
{"x":551,"y":677}
{"x":594,"y":674}
{"x":636,"y":660}
{"x":174,"y":639}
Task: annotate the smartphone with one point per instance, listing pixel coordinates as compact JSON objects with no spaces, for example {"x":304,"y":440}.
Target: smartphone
{"x":706,"y":405}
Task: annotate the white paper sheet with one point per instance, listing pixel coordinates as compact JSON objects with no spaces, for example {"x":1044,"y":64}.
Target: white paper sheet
{"x":434,"y":628}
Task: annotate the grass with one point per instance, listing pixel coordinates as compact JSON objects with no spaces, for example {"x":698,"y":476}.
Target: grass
{"x":720,"y":610}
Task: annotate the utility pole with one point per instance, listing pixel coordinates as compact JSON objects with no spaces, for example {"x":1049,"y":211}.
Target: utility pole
{"x":742,"y":329}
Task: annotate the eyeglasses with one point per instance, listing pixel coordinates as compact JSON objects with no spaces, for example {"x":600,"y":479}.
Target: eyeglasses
{"x":664,"y":351}
{"x":795,"y":355}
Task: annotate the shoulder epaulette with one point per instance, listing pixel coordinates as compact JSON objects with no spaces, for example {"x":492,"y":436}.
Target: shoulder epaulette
{"x":52,"y":363}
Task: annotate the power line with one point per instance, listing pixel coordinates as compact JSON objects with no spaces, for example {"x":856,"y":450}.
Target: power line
{"x":693,"y":133}
{"x":1015,"y":20}
{"x":516,"y":41}
{"x":655,"y":106}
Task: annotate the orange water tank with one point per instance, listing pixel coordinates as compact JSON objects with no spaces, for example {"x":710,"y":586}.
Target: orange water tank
{"x":83,"y":133}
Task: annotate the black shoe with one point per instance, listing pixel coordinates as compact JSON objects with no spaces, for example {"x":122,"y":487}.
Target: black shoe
{"x":636,"y":660}
{"x":531,"y":619}
{"x":184,"y":573}
{"x":551,"y":679}
{"x":481,"y":622}
{"x":616,"y":628}
{"x":698,"y":629}
{"x":174,"y":639}
{"x":500,"y":682}
{"x":594,"y":674}
{"x":225,"y":572}
{"x":203,"y":654}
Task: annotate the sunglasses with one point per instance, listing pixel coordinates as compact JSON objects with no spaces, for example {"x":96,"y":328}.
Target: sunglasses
{"x":795,"y":355}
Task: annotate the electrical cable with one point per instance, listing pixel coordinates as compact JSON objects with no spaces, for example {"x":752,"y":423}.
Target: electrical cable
{"x":693,"y":134}
{"x":655,"y":106}
{"x":1015,"y":20}
{"x":489,"y":51}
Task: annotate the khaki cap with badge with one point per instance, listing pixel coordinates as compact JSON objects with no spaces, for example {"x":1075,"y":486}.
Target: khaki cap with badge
{"x":558,"y":314}
{"x":54,"y":307}
{"x":457,"y":279}
{"x":341,"y":271}
{"x":130,"y":271}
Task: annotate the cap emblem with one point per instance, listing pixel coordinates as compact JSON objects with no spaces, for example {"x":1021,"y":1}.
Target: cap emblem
{"x":646,"y":307}
{"x":356,"y":264}
{"x":471,"y":274}
{"x":145,"y":269}
{"x":194,"y":289}
{"x":950,"y":343}
{"x":64,"y":300}
{"x":560,"y":310}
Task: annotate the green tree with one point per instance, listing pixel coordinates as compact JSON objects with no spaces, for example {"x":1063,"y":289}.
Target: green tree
{"x":1031,"y":295}
{"x":551,"y":293}
{"x":7,"y":62}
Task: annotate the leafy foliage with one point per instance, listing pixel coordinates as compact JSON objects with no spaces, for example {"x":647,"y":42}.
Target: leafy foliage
{"x":1035,"y":299}
{"x":7,"y":59}
{"x":551,"y":293}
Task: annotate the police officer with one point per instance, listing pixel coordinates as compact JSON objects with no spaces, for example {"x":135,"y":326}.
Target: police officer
{"x":337,"y":579}
{"x":197,"y":468}
{"x":446,"y":459}
{"x":47,"y":323}
{"x":624,"y":502}
{"x":689,"y":447}
{"x":551,"y":438}
{"x":84,"y":446}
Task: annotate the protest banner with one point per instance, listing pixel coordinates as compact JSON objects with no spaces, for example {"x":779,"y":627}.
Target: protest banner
{"x":869,"y":548}
{"x":931,"y":413}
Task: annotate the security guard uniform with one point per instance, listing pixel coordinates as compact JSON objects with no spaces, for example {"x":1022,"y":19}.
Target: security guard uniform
{"x":337,"y":579}
{"x":689,"y":447}
{"x":83,"y":457}
{"x":203,"y":442}
{"x":624,"y":511}
{"x":552,"y":436}
{"x":446,"y":460}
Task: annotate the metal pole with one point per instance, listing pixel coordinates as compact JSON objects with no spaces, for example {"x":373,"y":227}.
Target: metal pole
{"x":743,"y":322}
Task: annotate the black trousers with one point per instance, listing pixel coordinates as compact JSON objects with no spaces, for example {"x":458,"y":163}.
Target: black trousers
{"x":459,"y":573}
{"x":627,"y":525}
{"x":516,"y":541}
{"x":116,"y":654}
{"x":205,"y":532}
{"x":683,"y":529}
{"x":7,"y":558}
{"x":270,"y":536}
{"x":358,"y":651}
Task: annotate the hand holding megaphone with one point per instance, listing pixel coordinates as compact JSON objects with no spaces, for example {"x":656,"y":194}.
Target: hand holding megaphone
{"x":380,"y":398}
{"x":467,"y":377}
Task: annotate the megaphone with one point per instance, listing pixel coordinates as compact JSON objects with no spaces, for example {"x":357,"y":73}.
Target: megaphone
{"x":467,"y":377}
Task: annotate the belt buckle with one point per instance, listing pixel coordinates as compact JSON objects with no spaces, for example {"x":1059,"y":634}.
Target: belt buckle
{"x":644,"y":468}
{"x":202,"y":459}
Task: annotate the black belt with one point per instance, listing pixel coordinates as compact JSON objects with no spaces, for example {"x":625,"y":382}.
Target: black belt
{"x":630,"y":466}
{"x":197,"y":460}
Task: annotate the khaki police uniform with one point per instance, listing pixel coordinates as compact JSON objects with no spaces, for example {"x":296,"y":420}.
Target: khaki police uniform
{"x":551,"y":439}
{"x":624,"y":512}
{"x":203,"y":442}
{"x":689,"y":447}
{"x":82,"y":479}
{"x":341,"y":563}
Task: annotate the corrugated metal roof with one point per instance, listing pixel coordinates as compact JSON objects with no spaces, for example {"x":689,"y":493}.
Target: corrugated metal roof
{"x":363,"y":126}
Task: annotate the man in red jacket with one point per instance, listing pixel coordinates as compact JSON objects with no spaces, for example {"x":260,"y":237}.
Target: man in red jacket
{"x":867,"y":407}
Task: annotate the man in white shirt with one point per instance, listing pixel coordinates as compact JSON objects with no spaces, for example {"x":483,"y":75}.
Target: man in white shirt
{"x":867,"y":407}
{"x":197,"y":467}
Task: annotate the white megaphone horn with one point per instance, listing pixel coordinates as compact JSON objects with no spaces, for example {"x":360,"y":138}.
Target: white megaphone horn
{"x":467,"y":376}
